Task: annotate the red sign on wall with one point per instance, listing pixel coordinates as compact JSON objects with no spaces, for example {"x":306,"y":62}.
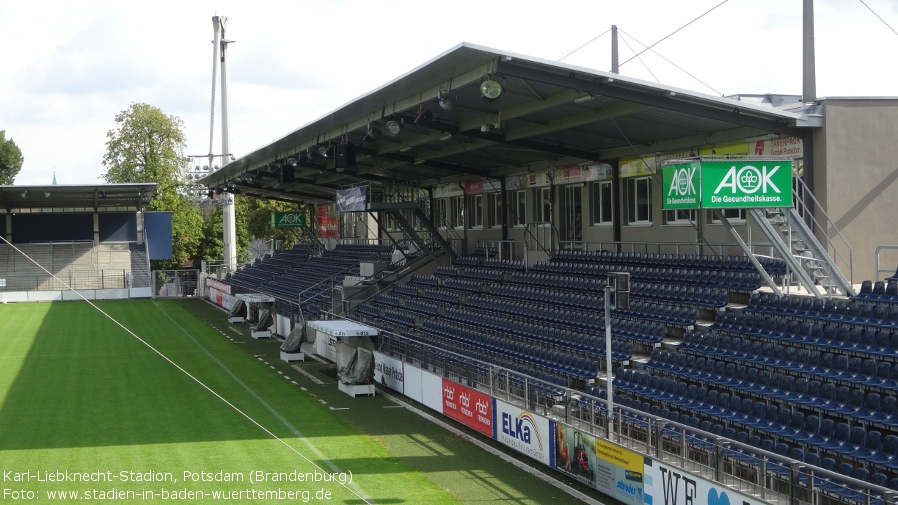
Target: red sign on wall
{"x":468,"y":406}
{"x":328,"y":222}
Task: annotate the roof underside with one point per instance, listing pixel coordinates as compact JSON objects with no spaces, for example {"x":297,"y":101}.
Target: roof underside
{"x":100,"y":196}
{"x":549,"y":115}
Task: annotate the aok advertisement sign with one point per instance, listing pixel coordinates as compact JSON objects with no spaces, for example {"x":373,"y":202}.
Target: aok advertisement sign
{"x":740,"y":184}
{"x":288,"y":219}
{"x":682,"y":182}
{"x":727,"y":184}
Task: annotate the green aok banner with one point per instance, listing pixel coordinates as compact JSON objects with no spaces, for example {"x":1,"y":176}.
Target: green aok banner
{"x":288,"y":219}
{"x":746,"y":183}
{"x":682,"y":184}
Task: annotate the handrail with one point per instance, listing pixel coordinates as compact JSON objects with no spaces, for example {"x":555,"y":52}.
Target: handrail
{"x":538,"y":241}
{"x":649,"y":434}
{"x":876,"y":260}
{"x":800,"y":191}
{"x":678,"y":247}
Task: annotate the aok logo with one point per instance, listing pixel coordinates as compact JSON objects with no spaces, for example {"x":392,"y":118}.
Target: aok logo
{"x":749,"y":180}
{"x":683,"y":182}
{"x":291,"y":219}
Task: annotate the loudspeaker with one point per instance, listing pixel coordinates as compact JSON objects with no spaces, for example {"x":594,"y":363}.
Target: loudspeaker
{"x":344,"y":156}
{"x":287,"y":174}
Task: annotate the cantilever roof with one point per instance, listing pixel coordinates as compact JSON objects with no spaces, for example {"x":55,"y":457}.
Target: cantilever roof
{"x":107,"y":196}
{"x":550,"y":114}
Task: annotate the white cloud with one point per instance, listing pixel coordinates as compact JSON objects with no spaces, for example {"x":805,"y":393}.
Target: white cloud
{"x":70,"y":67}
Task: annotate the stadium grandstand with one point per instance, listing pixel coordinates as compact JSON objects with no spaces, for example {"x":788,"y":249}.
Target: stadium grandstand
{"x":505,"y":225}
{"x":93,"y":239}
{"x":477,"y":210}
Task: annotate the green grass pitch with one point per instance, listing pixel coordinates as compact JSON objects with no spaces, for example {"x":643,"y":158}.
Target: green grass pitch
{"x":87,"y":409}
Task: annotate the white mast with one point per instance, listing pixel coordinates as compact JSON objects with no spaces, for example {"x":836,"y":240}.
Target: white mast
{"x":219,"y":24}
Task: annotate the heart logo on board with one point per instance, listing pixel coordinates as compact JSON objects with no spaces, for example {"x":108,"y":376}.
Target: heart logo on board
{"x":717,"y":499}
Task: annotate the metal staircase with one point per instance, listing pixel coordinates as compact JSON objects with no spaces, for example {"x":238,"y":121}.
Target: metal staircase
{"x":404,"y":206}
{"x":816,"y":259}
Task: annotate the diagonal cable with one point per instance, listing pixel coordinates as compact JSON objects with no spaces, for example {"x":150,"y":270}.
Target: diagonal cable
{"x":672,"y":63}
{"x":182,"y":370}
{"x":584,"y":45}
{"x":877,"y":15}
{"x":677,"y":30}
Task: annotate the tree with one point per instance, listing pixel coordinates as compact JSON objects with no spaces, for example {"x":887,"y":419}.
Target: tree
{"x":212,"y":243}
{"x":258,"y":220}
{"x":11,"y":159}
{"x":148,"y":146}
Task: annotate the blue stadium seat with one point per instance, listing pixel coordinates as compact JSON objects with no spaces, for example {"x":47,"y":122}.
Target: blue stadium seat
{"x":888,"y":451}
{"x":809,"y":430}
{"x":888,"y":412}
{"x":856,"y":438}
{"x":872,"y":446}
{"x":825,"y":432}
{"x":839,"y":438}
{"x":855,"y":402}
{"x":795,"y":427}
{"x":834,"y":485}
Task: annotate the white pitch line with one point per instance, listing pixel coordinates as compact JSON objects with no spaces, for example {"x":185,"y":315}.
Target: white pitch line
{"x":311,"y":377}
{"x":353,"y":487}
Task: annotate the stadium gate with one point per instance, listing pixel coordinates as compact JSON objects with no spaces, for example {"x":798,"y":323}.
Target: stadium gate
{"x":175,"y":283}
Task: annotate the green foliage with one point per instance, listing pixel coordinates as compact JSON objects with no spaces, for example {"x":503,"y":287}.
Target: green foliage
{"x":258,"y":221}
{"x":11,"y":159}
{"x":211,"y":245}
{"x":148,"y":146}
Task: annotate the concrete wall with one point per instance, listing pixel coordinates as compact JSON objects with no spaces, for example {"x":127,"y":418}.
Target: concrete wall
{"x":856,"y":176}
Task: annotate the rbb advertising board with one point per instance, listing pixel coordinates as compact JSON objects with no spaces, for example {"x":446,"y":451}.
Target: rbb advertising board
{"x":727,"y":184}
{"x":525,"y":432}
{"x":468,"y":406}
{"x":667,"y":485}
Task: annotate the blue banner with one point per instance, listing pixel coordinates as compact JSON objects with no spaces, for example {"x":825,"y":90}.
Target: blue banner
{"x":351,"y":200}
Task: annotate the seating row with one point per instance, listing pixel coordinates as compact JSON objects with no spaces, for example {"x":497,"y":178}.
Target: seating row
{"x":793,"y":427}
{"x":824,"y":393}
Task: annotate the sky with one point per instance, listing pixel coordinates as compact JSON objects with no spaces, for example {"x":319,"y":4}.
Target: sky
{"x":69,"y":67}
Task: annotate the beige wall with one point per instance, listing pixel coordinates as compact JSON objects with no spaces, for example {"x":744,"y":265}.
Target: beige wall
{"x":856,"y":176}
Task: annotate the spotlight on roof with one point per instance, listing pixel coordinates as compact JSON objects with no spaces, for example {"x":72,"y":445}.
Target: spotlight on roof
{"x":394,"y":127}
{"x":490,"y":89}
{"x":292,"y":161}
{"x":446,"y":101}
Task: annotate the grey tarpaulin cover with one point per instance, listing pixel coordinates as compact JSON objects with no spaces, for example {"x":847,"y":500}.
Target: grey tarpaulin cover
{"x":360,"y":369}
{"x":238,"y":309}
{"x":295,"y":339}
{"x":265,"y":320}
